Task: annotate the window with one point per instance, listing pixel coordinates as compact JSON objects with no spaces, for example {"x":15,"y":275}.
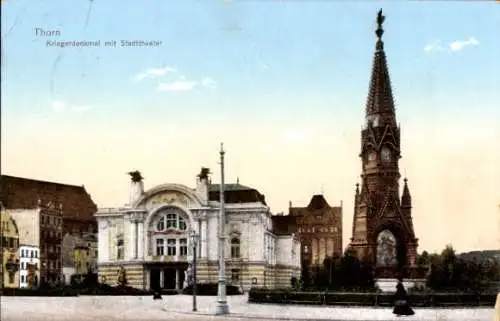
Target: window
{"x":22,"y":253}
{"x":182,"y":224}
{"x":159,"y":247}
{"x":43,"y":219}
{"x":32,"y":254}
{"x":120,"y":250}
{"x":235,"y":248}
{"x":22,"y":279}
{"x":183,"y":247}
{"x":171,"y":221}
{"x":235,"y":276}
{"x":171,"y":246}
{"x":160,"y":226}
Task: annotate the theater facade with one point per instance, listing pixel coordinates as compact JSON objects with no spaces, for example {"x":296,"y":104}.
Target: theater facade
{"x":148,"y":239}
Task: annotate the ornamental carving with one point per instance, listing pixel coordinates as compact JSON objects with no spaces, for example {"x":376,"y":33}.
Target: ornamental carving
{"x":170,"y":197}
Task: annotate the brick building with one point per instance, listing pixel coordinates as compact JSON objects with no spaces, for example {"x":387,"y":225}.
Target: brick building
{"x":319,"y":227}
{"x":44,"y":212}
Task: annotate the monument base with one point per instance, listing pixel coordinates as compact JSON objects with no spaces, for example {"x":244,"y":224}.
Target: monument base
{"x":221,"y":308}
{"x":389,"y":285}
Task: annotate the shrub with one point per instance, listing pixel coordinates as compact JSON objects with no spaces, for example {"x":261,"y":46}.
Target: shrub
{"x":211,"y":289}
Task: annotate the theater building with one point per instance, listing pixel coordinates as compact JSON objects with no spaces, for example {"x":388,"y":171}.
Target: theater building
{"x":149,"y":237}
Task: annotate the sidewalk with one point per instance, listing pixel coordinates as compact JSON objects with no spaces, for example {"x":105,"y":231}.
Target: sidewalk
{"x":240,"y":308}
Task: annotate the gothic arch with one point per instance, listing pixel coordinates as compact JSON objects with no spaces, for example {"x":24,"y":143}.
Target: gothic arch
{"x":400,"y":236}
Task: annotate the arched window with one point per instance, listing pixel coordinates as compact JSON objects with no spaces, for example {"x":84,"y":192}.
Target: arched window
{"x":160,"y":225}
{"x":120,"y":251}
{"x":235,"y":248}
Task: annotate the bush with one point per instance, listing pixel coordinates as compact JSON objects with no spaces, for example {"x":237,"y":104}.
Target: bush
{"x":261,"y":295}
{"x":211,"y":289}
{"x":51,"y":292}
{"x":105,"y":289}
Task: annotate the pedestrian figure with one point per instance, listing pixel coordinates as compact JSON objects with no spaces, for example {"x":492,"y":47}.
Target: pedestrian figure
{"x":401,"y":304}
{"x":157,"y":294}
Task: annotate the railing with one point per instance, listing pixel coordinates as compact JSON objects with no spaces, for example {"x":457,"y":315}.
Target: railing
{"x":167,"y":258}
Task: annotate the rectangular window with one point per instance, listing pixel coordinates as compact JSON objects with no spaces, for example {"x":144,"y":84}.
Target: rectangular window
{"x":183,"y":249}
{"x":160,"y":247}
{"x":171,"y":221}
{"x":171,"y":247}
{"x":22,"y":253}
{"x":22,"y":278}
{"x":235,"y":276}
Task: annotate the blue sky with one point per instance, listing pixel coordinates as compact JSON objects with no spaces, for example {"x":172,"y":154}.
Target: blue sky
{"x":276,"y":80}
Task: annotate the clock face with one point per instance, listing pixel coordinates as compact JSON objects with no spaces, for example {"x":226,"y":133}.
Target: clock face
{"x":386,"y":154}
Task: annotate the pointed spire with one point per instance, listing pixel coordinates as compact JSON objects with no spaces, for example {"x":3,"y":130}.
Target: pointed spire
{"x":380,"y":99}
{"x":406,"y":197}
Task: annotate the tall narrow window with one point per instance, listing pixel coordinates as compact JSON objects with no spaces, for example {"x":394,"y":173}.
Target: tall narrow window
{"x":160,"y":247}
{"x":171,"y":221}
{"x":235,"y":276}
{"x":183,"y":249}
{"x":171,"y":247}
{"x":235,"y":248}
{"x":182,"y":224}
{"x":160,"y":226}
{"x":120,"y":251}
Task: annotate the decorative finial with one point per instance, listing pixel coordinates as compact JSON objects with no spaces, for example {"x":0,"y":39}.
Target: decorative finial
{"x":222,"y":148}
{"x":380,"y":20}
{"x":237,"y":180}
{"x":136,"y":176}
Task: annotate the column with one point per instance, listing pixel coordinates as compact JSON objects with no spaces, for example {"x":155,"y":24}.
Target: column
{"x":198,"y":246}
{"x":161,"y":278}
{"x":148,"y":279}
{"x":177,"y":279}
{"x":204,"y":238}
{"x":131,"y":241}
{"x":140,"y":240}
{"x":136,"y":239}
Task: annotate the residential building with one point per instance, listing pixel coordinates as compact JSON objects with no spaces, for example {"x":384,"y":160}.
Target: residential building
{"x":9,"y":235}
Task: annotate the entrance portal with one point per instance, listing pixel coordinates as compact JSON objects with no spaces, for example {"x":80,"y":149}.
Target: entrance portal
{"x":166,"y":277}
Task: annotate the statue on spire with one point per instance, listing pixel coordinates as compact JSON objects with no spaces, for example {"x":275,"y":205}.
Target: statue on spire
{"x":380,"y":20}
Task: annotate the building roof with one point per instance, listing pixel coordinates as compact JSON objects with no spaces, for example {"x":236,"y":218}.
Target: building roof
{"x":284,"y":224}
{"x":317,"y":206}
{"x":24,"y":193}
{"x":236,"y":193}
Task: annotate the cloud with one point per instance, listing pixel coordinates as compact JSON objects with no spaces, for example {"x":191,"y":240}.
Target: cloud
{"x":458,"y":45}
{"x":208,"y":82}
{"x":154,"y":73}
{"x":60,"y":106}
{"x":454,"y":46}
{"x":434,"y":46}
{"x":179,"y":85}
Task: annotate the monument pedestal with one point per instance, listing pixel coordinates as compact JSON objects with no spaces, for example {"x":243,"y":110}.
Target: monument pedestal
{"x":386,"y":277}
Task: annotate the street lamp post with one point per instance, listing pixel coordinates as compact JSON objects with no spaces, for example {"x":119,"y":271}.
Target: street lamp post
{"x":194,"y":242}
{"x":222,"y":307}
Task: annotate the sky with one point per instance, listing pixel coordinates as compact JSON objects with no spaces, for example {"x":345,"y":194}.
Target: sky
{"x":282,"y":83}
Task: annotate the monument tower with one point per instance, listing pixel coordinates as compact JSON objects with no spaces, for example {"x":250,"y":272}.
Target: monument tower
{"x":382,"y":232}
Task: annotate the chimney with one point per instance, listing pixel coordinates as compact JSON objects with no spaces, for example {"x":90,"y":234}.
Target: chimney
{"x":202,"y":184}
{"x":136,"y":186}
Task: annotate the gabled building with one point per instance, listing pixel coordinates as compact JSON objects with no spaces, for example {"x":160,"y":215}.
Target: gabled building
{"x":319,"y":227}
